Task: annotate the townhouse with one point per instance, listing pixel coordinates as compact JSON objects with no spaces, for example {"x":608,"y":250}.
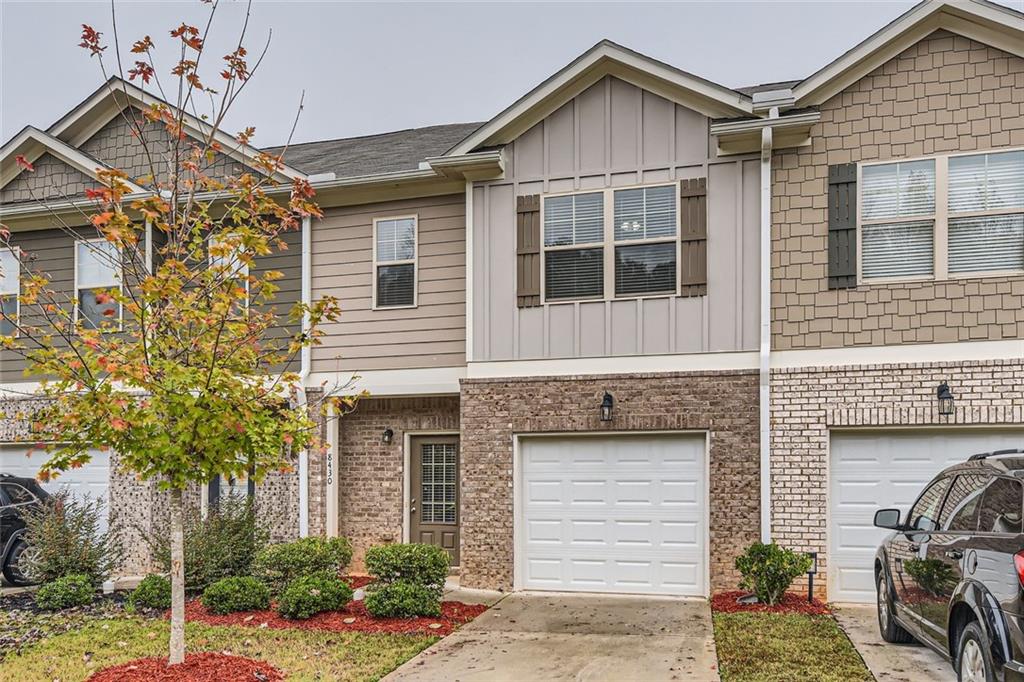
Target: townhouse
{"x":637,"y":320}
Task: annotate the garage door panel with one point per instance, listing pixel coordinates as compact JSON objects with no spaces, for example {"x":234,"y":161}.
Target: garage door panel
{"x":92,"y":479}
{"x":621,"y":514}
{"x":879,"y":469}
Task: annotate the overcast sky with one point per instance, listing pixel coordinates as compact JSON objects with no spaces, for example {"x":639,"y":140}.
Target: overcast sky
{"x":369,"y":68}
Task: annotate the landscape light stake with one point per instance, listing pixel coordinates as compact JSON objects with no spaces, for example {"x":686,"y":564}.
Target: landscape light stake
{"x":810,"y":576}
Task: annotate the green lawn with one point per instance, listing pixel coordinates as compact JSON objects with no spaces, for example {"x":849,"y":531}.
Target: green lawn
{"x":302,"y":655}
{"x":768,"y":647}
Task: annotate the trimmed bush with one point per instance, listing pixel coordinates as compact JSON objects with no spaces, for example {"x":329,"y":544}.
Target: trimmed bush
{"x":65,"y":592}
{"x":221,"y":545}
{"x":242,"y":593}
{"x":313,"y":594}
{"x":64,"y":534}
{"x":402,"y":600}
{"x":769,"y":570}
{"x":279,"y":565}
{"x":424,"y":565}
{"x":154,"y":592}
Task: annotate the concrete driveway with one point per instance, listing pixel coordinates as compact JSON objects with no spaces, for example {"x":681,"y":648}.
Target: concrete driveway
{"x":890,"y":662}
{"x":544,"y":636}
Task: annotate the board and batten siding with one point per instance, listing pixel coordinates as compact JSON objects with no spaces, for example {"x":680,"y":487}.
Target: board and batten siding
{"x":432,"y":334}
{"x":615,"y":134}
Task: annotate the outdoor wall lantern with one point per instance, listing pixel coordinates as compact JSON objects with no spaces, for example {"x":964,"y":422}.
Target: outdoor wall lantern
{"x":607,"y":403}
{"x":945,"y":397}
{"x":387,"y":436}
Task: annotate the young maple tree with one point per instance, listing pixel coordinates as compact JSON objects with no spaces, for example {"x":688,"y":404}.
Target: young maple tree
{"x":185,"y":369}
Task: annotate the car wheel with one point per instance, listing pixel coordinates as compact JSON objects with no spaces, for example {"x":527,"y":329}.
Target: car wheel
{"x":890,"y":630}
{"x":15,"y":569}
{"x":974,"y":656}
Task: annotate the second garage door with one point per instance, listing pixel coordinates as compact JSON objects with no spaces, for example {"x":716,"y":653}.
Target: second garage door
{"x":871,"y":470}
{"x":613,"y":514}
{"x":91,"y":480}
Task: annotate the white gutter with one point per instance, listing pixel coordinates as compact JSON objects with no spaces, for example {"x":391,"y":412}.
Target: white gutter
{"x":764,"y":404}
{"x":305,"y":365}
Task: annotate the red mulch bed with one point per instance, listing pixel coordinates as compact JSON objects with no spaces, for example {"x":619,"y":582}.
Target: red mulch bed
{"x":202,"y":667}
{"x":357,"y":581}
{"x":453,"y":614}
{"x":725,"y":602}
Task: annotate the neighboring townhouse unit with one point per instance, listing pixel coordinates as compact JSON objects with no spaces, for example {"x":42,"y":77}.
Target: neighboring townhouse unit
{"x":637,"y":320}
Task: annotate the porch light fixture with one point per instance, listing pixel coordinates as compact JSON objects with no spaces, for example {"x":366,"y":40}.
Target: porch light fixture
{"x":945,"y":398}
{"x":387,"y":436}
{"x":607,"y":403}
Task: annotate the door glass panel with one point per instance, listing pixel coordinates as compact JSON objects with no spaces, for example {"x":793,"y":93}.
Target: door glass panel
{"x":1001,"y":507}
{"x":439,"y":473}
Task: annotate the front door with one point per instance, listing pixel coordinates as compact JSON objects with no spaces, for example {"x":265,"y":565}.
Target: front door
{"x":434,"y":495}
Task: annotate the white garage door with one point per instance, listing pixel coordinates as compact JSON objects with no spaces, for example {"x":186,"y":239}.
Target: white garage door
{"x":613,"y":514}
{"x":93,"y":479}
{"x":878,"y":469}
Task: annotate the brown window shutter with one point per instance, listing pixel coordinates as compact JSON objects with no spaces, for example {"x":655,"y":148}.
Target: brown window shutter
{"x":842,"y":226}
{"x":693,"y":237}
{"x":528,"y":251}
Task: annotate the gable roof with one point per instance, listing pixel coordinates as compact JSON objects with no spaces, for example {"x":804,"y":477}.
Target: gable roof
{"x":606,"y":59}
{"x":33,"y":143}
{"x":107,"y":101}
{"x":374,"y":154}
{"x":986,"y":22}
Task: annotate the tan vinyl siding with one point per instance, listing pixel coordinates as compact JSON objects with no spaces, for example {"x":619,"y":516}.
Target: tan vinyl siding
{"x":430,"y":335}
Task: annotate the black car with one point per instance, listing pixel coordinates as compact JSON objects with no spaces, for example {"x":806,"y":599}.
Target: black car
{"x":952,"y":573}
{"x":17,"y":495}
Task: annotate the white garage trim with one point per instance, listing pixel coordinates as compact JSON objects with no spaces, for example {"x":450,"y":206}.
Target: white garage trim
{"x":518,"y":505}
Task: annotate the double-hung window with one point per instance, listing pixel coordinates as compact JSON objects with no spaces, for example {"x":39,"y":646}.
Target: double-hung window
{"x":958,"y":215}
{"x":234,"y":269}
{"x":97,"y":273}
{"x":394,"y":262}
{"x":10,"y":289}
{"x":613,"y":243}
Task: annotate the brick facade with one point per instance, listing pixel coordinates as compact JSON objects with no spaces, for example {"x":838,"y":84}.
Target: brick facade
{"x":808,"y":402}
{"x":724,"y":403}
{"x":945,"y":94}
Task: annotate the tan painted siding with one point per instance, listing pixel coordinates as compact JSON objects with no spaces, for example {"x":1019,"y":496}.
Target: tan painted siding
{"x":430,"y":335}
{"x":945,"y":94}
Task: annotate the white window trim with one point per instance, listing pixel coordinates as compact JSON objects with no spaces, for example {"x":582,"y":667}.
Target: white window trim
{"x":16,"y":251}
{"x":414,"y":261}
{"x":119,"y":277}
{"x":608,"y":244}
{"x":940,"y":217}
{"x":243,"y":267}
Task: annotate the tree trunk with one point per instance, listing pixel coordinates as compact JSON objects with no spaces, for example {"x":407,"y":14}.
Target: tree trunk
{"x":177,"y":654}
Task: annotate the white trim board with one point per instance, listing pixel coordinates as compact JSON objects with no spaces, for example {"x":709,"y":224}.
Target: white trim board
{"x":395,"y":382}
{"x":624,"y":364}
{"x":969,"y":351}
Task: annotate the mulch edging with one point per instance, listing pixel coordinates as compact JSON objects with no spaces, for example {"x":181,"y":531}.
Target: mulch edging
{"x":199,"y":667}
{"x":357,"y":581}
{"x":725,"y":602}
{"x":453,"y":614}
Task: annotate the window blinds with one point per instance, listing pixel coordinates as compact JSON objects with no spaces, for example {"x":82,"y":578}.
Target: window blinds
{"x":898,"y":249}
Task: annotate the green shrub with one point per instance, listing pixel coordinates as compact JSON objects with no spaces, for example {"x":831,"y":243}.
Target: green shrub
{"x":242,"y":593}
{"x":279,"y":565}
{"x":65,"y":592}
{"x":425,"y":565}
{"x":221,"y":545}
{"x":769,"y":570}
{"x":402,"y":600}
{"x":64,"y":534}
{"x":154,"y":592}
{"x":313,"y":594}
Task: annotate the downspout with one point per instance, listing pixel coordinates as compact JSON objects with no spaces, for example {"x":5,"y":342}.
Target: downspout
{"x":304,"y":369}
{"x":766,"y":330}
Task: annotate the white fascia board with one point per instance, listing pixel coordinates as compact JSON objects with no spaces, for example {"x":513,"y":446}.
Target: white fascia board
{"x":392,"y":382}
{"x":917,"y":353}
{"x":805,"y":119}
{"x":486,"y":165}
{"x":34,"y":143}
{"x":624,"y":364}
{"x":713,"y":100}
{"x":985,"y":22}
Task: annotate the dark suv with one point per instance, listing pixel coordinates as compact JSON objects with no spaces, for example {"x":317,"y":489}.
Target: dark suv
{"x":952,"y":573}
{"x":17,"y":495}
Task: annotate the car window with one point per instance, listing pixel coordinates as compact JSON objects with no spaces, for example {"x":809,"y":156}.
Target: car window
{"x":17,"y":494}
{"x":925,"y":513}
{"x":960,"y":512}
{"x":1001,"y":506}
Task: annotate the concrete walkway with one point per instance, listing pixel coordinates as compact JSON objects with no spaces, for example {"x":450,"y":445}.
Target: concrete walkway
{"x":544,"y":636}
{"x":890,"y":662}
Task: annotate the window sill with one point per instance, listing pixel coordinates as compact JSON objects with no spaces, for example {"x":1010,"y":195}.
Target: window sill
{"x":641,"y":297}
{"x":949,"y":279}
{"x":395,"y":307}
